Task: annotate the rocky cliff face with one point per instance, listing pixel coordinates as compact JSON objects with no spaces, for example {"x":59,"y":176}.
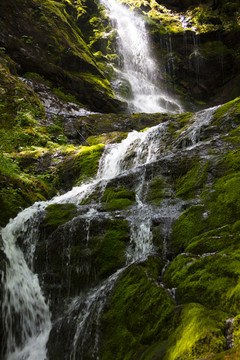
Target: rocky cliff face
{"x":73,"y":44}
{"x":45,"y":38}
{"x":143,"y":263}
{"x":197,"y":46}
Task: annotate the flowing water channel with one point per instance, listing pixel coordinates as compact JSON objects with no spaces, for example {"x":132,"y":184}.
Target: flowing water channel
{"x":26,"y":314}
{"x":140,"y":70}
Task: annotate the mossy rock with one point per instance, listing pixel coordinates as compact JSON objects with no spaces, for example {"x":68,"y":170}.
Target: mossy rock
{"x":196,"y":332}
{"x":232,"y":354}
{"x":117,"y":198}
{"x":155,"y":191}
{"x":223,"y":203}
{"x":53,"y":36}
{"x":109,"y":253}
{"x":190,"y":224}
{"x":199,"y":334}
{"x":19,"y":191}
{"x":80,"y":166}
{"x":211,"y":279}
{"x":139,"y":313}
{"x":58,"y":214}
{"x":191,"y":184}
{"x":112,"y":137}
{"x":215,"y":240}
{"x":227,"y":116}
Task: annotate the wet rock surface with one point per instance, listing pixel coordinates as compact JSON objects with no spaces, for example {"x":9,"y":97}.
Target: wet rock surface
{"x":141,"y":258}
{"x":193,"y":234}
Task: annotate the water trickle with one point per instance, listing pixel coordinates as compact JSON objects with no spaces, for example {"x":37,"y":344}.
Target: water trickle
{"x":139,"y":69}
{"x":89,"y":309}
{"x":89,"y":216}
{"x":190,"y":137}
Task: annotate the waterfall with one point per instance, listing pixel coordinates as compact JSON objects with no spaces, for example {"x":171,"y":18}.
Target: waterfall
{"x":140,"y":70}
{"x":26,"y":315}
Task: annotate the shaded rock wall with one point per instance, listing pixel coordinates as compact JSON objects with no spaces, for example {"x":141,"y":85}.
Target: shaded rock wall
{"x":48,"y":41}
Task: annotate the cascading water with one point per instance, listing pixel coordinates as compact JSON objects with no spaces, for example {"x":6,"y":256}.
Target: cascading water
{"x":139,"y":69}
{"x":23,"y":305}
{"x":26,"y":315}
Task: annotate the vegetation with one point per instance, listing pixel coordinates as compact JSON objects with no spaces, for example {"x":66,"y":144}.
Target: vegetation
{"x":138,"y":312}
{"x":117,"y":198}
{"x":174,"y":304}
{"x":58,"y":214}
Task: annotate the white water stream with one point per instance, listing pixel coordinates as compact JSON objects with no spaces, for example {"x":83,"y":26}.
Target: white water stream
{"x":26,"y":315}
{"x":25,"y":312}
{"x":139,"y":69}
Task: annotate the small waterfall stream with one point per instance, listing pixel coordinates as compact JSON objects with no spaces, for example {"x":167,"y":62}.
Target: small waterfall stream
{"x":26,"y":315}
{"x":140,"y":69}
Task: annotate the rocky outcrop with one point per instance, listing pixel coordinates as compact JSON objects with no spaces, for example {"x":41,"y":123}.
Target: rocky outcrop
{"x":48,"y":41}
{"x":190,"y":195}
{"x":74,"y":46}
{"x":143,"y":264}
{"x":196,"y":48}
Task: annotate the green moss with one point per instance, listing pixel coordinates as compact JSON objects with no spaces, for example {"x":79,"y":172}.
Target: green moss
{"x":109,"y":252}
{"x":19,"y":191}
{"x":38,"y":77}
{"x":236,"y":226}
{"x":112,"y":137}
{"x":224,"y":201}
{"x":98,"y":82}
{"x":199,"y":334}
{"x":214,"y":49}
{"x":86,"y":162}
{"x":117,"y":198}
{"x":191,"y":184}
{"x":232,"y":354}
{"x":211,"y":280}
{"x":138,"y":314}
{"x":228,"y":111}
{"x":65,"y":97}
{"x":118,"y":204}
{"x":190,"y":224}
{"x":184,"y":119}
{"x":214,"y":240}
{"x":58,"y":214}
{"x":231,"y":161}
{"x":205,"y":19}
{"x":155,"y":190}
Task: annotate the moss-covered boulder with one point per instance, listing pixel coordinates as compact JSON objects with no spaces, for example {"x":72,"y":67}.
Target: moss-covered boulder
{"x":139,"y":312}
{"x":49,"y":41}
{"x":78,"y":251}
{"x":58,"y":214}
{"x":117,"y":198}
{"x":80,"y":166}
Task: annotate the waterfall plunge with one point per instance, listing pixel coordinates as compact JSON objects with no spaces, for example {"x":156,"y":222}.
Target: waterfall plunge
{"x":140,"y":69}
